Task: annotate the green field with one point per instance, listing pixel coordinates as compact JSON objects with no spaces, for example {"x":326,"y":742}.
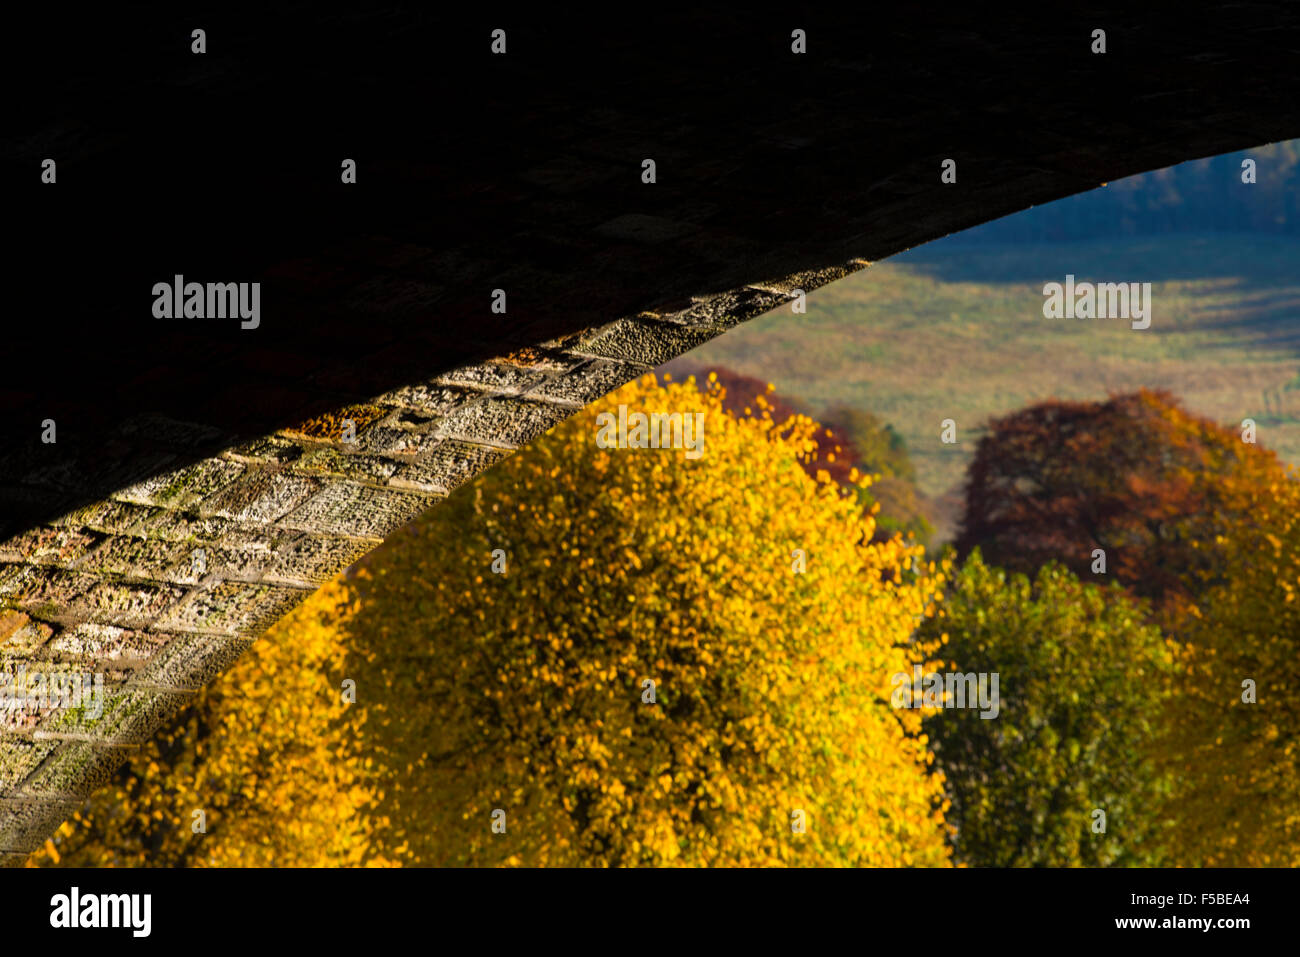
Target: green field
{"x":956,"y":330}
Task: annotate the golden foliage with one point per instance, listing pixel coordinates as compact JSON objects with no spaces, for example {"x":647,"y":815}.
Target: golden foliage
{"x":1237,"y":763}
{"x":524,"y":691}
{"x":267,"y":752}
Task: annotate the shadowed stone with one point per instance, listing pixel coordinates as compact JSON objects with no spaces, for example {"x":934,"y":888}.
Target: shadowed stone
{"x":189,"y":662}
{"x":25,"y":823}
{"x":128,"y":716}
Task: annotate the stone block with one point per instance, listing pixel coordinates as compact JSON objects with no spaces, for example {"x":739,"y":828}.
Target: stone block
{"x":495,"y":377}
{"x":112,"y":517}
{"x":449,"y":465}
{"x":19,"y":757}
{"x":90,"y":644}
{"x":127,"y":717}
{"x":183,"y":487}
{"x":359,"y":467}
{"x":25,"y":823}
{"x":126,"y":604}
{"x":505,"y":423}
{"x":357,"y":511}
{"x":311,"y":560}
{"x":231,"y":608}
{"x":648,"y":343}
{"x":62,"y":545}
{"x":73,"y":770}
{"x":188,"y":662}
{"x":261,"y":497}
{"x":587,"y":383}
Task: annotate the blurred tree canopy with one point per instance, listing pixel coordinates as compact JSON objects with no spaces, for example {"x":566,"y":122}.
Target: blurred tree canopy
{"x":1234,"y":741}
{"x":1083,"y":682}
{"x":1138,"y":476}
{"x":848,"y":440}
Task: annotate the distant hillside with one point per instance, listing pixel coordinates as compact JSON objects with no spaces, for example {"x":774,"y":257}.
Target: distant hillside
{"x":956,"y":330}
{"x":1205,"y":195}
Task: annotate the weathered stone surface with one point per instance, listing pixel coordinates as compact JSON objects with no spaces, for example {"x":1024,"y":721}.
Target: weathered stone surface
{"x":431,"y":399}
{"x":231,"y":608}
{"x":183,"y":487}
{"x":309,"y":560}
{"x":41,"y":590}
{"x":127,"y":717}
{"x":131,"y":604}
{"x":111,"y":516}
{"x":645,"y":342}
{"x":20,"y":636}
{"x":19,"y":757}
{"x":25,"y":823}
{"x":449,"y":465}
{"x":108,"y":646}
{"x":508,"y":423}
{"x":71,"y":769}
{"x":495,"y":377}
{"x":269,"y":449}
{"x":729,"y":308}
{"x":188,"y":662}
{"x":332,"y":425}
{"x":53,"y":544}
{"x":261,"y":497}
{"x":155,"y":558}
{"x":588,"y":382}
{"x":399,"y":436}
{"x":328,"y":460}
{"x":357,"y":511}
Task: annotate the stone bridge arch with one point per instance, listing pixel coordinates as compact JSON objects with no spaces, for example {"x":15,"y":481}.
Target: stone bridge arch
{"x":476,"y":171}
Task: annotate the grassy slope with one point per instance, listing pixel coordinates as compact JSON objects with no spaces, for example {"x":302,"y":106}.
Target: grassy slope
{"x":955,"y":330}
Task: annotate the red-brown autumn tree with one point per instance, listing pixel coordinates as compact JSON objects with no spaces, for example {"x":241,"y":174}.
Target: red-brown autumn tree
{"x":747,"y":395}
{"x":1138,"y":476}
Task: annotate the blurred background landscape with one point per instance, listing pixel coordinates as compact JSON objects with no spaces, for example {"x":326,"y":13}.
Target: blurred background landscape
{"x":954,"y":329}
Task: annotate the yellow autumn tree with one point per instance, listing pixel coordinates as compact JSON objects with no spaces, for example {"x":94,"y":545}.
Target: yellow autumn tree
{"x":750,"y":594}
{"x":635,"y":656}
{"x":1235,"y":736}
{"x":267,"y":753}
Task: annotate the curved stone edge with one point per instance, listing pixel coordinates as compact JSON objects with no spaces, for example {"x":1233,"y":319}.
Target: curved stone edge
{"x":117,"y":588}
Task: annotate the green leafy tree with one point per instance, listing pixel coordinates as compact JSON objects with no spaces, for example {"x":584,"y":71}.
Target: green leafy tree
{"x":877,"y":445}
{"x":1082,"y":686}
